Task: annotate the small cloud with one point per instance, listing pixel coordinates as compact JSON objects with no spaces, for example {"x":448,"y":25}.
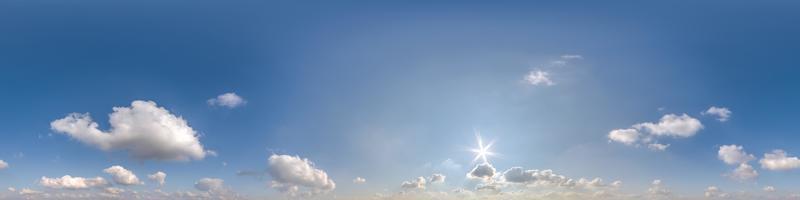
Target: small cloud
{"x":229,"y":100}
{"x":625,"y":136}
{"x":359,"y":180}
{"x":289,"y":173}
{"x":3,"y":164}
{"x":743,"y":173}
{"x":778,"y":160}
{"x":658,"y":147}
{"x":484,"y":171}
{"x":734,"y":154}
{"x":437,"y":178}
{"x":69,"y":182}
{"x":158,"y":177}
{"x":769,"y":189}
{"x":209,"y":184}
{"x":418,"y":183}
{"x":122,"y":176}
{"x":571,"y":57}
{"x":539,"y":77}
{"x":722,"y":113}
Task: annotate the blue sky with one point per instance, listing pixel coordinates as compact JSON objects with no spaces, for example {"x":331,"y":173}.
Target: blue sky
{"x":389,"y":91}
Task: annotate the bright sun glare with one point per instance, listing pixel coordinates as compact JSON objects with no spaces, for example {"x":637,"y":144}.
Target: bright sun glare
{"x":482,"y":151}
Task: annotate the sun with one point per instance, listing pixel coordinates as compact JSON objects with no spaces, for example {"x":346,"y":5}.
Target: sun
{"x":482,"y":152}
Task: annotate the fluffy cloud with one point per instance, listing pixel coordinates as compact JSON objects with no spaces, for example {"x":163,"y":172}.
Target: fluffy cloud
{"x":657,"y":189}
{"x":673,"y":125}
{"x":437,"y":178}
{"x":483,"y":171}
{"x":158,"y":177}
{"x":733,"y":154}
{"x":778,"y":160}
{"x":625,"y":136}
{"x":3,"y":164}
{"x":229,"y":100}
{"x":69,"y":182}
{"x":144,"y":129}
{"x":680,"y":126}
{"x":209,"y":184}
{"x":290,"y":172}
{"x":721,"y":113}
{"x":122,"y":176}
{"x":547,"y":178}
{"x":743,"y":172}
{"x":539,"y":77}
{"x":714,"y":192}
{"x":418,"y":183}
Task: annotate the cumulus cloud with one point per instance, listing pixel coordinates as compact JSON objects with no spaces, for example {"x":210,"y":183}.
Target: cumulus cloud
{"x":657,"y":189}
{"x":69,"y":182}
{"x":229,"y":100}
{"x":291,"y":172}
{"x":209,"y":184}
{"x":359,"y":180}
{"x":769,"y":189}
{"x":3,"y":164}
{"x":734,"y":154}
{"x":722,"y":113}
{"x":539,"y":77}
{"x":673,"y":125}
{"x":714,"y":192}
{"x":743,"y":172}
{"x":418,"y":183}
{"x":122,"y":176}
{"x":437,"y":178}
{"x":158,"y":177}
{"x":144,"y":129}
{"x":778,"y":160}
{"x":625,"y":136}
{"x":483,"y":171}
{"x":548,"y":178}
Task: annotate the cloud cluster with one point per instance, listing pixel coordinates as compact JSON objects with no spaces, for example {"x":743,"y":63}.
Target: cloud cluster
{"x":289,"y":173}
{"x":147,"y":131}
{"x":735,"y":155}
{"x":547,"y":178}
{"x":122,"y":176}
{"x":69,"y":182}
{"x":228,"y":100}
{"x":722,"y":113}
{"x":670,"y":125}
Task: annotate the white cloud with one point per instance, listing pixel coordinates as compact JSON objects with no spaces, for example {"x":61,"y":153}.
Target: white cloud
{"x":625,"y":136}
{"x":209,"y":184}
{"x":722,"y":113}
{"x":359,"y":180}
{"x":673,"y":125}
{"x":3,"y":164}
{"x":122,"y":176}
{"x":26,"y":191}
{"x":571,"y":56}
{"x":657,"y":189}
{"x":548,"y":178}
{"x":418,"y":183}
{"x":658,"y":147}
{"x":483,"y":171}
{"x":769,"y":189}
{"x":734,"y":154}
{"x":158,"y":177}
{"x":69,"y":182}
{"x":229,"y":100}
{"x":743,"y":172}
{"x":778,"y":160}
{"x":290,"y":172}
{"x":437,"y":178}
{"x":680,"y":126}
{"x":714,"y":192}
{"x":539,"y":77}
{"x":144,"y":129}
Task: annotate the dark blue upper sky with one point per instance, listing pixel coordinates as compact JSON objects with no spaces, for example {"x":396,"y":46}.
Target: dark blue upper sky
{"x":388,"y":90}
